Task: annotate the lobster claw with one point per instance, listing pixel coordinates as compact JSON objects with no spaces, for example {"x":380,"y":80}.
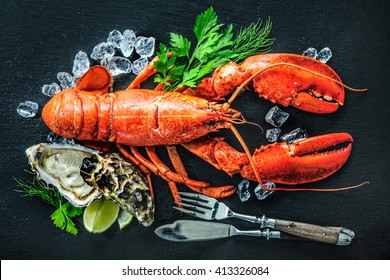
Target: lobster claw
{"x":285,"y":79}
{"x":301,"y":162}
{"x":296,"y":80}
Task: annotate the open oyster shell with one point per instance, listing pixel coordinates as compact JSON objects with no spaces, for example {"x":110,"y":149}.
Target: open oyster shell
{"x":82,"y":175}
{"x":59,"y":165}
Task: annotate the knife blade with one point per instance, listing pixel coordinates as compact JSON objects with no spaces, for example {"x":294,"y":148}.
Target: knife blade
{"x":192,"y":230}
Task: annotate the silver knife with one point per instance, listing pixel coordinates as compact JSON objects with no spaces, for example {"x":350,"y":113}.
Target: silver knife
{"x":192,"y":230}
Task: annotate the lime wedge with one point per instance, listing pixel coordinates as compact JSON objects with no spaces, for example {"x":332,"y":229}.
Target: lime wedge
{"x":124,"y":219}
{"x":100,"y":215}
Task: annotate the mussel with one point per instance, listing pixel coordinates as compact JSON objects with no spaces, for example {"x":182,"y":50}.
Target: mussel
{"x":82,"y":175}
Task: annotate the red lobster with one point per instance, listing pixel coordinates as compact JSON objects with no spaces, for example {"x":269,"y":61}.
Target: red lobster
{"x":139,"y":117}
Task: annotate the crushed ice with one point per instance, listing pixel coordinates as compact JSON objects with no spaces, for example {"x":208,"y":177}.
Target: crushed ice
{"x":80,"y":64}
{"x":243,"y":190}
{"x":27,"y":109}
{"x":144,"y":46}
{"x":139,"y":64}
{"x":51,"y":89}
{"x":127,"y":43}
{"x":272,"y":134}
{"x":114,"y":38}
{"x":66,"y":80}
{"x":295,"y":135}
{"x":106,"y":53}
{"x":117,"y":65}
{"x":103,"y":50}
{"x":261,"y":193}
{"x":323,"y":55}
{"x":276,"y":117}
{"x":310,"y":52}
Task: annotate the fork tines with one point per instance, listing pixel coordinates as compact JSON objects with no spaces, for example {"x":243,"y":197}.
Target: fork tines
{"x":195,"y":204}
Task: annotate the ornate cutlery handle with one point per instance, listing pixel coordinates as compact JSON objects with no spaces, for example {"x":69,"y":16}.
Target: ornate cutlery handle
{"x":332,"y":235}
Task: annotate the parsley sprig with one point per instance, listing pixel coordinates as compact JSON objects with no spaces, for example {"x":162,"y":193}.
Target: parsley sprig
{"x":62,"y":217}
{"x":215,"y":47}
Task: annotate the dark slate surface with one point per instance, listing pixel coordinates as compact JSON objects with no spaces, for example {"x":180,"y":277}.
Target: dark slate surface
{"x":40,"y":38}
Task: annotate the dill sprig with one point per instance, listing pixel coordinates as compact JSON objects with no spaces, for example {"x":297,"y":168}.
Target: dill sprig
{"x":253,"y":40}
{"x":62,"y":216}
{"x":37,"y":187}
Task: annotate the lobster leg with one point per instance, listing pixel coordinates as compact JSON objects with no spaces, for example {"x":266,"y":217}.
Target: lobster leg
{"x":176,"y":161}
{"x":163,"y":169}
{"x":197,"y":186}
{"x":219,"y":192}
{"x":301,"y":162}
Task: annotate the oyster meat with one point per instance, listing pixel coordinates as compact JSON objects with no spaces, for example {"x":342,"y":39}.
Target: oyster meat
{"x":82,"y":175}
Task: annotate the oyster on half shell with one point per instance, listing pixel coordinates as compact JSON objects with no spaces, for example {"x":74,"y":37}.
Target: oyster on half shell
{"x":82,"y":175}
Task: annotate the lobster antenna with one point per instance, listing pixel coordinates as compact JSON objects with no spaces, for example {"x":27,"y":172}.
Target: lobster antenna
{"x":252,"y":163}
{"x":239,"y":88}
{"x":242,"y":120}
{"x":321,"y":190}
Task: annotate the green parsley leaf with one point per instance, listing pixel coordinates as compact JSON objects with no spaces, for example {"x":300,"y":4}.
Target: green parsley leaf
{"x":204,"y":22}
{"x":163,"y":65}
{"x":62,"y":217}
{"x":58,"y":218}
{"x":70,"y":226}
{"x":215,"y":46}
{"x":189,"y":77}
{"x":180,"y":46}
{"x":72,"y":211}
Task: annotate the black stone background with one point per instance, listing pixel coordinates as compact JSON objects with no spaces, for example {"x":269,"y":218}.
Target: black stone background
{"x":40,"y":39}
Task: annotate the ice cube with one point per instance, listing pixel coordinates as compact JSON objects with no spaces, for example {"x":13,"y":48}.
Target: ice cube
{"x":57,"y":139}
{"x":276,"y":117}
{"x":66,"y":80}
{"x":324,"y":55}
{"x":51,"y":89}
{"x":144,"y":46}
{"x":117,"y":65}
{"x":243,"y":190}
{"x":139,"y":64}
{"x":127,"y":43}
{"x":115,"y":37}
{"x":103,"y":50}
{"x":80,"y":64}
{"x":261,"y":193}
{"x":295,"y":135}
{"x":272,"y":134}
{"x":27,"y":109}
{"x":310,"y":52}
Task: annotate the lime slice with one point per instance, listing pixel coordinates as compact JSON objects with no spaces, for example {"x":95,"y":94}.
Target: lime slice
{"x":100,"y":215}
{"x":124,"y":219}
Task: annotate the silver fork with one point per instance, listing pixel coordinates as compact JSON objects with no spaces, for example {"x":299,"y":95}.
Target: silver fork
{"x":208,"y":208}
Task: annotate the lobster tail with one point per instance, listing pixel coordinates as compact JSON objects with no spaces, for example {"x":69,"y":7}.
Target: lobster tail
{"x":80,"y":115}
